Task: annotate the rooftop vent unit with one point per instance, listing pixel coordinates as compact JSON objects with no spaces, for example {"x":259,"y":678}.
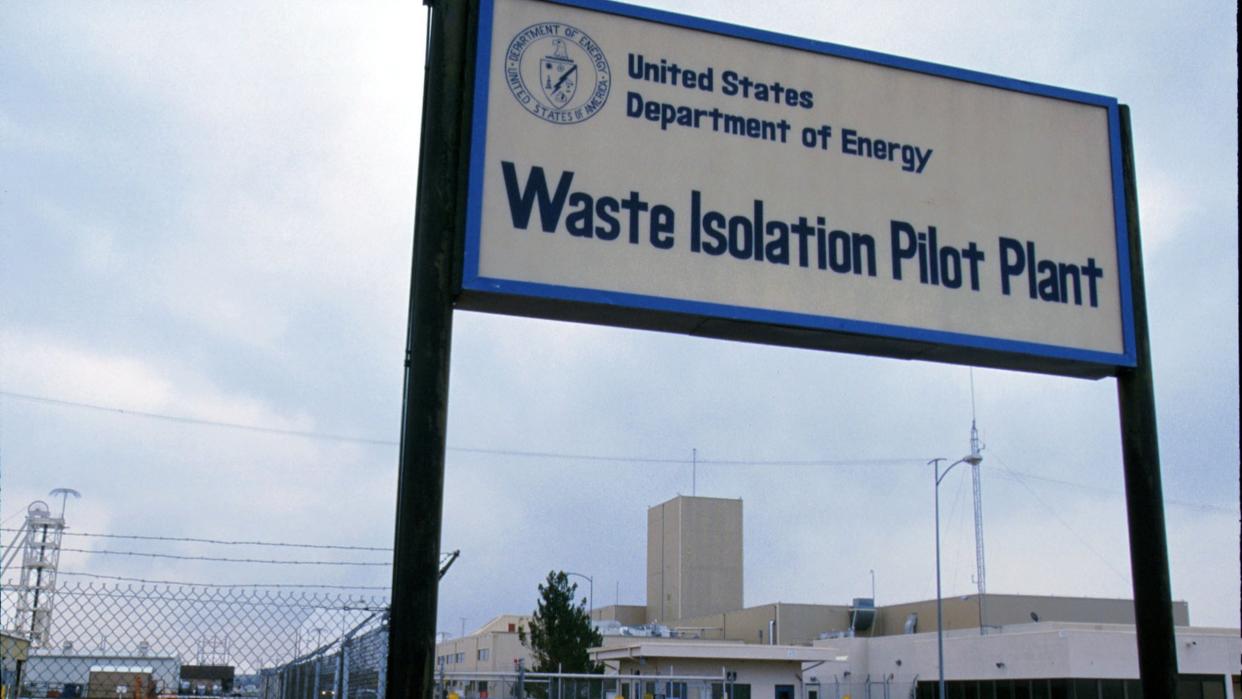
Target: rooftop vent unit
{"x":862,"y":614}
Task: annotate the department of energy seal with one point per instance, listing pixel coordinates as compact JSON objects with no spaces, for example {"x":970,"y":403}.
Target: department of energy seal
{"x":557,"y":72}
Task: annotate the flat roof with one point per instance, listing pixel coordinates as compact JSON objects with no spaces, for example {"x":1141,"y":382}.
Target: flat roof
{"x":715,"y":651}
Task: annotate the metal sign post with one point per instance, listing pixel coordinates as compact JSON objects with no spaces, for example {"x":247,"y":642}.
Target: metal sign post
{"x":1140,"y":453}
{"x":420,"y":485}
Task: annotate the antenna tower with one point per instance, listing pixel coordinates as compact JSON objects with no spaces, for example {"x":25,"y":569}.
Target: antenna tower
{"x":975,"y":448}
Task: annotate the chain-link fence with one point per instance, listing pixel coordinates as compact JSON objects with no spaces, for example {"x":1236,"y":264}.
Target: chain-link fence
{"x":540,"y":685}
{"x":119,"y":641}
{"x":351,"y":667}
{"x":867,"y":688}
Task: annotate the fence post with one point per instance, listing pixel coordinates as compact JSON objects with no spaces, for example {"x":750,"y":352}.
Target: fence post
{"x":342,"y":670}
{"x":381,"y":682}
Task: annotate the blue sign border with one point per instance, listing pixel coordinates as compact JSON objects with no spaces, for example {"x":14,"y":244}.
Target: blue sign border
{"x":1012,"y":351}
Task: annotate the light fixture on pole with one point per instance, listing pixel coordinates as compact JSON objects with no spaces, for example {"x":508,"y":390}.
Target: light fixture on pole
{"x":973,"y":459}
{"x":591,"y":598}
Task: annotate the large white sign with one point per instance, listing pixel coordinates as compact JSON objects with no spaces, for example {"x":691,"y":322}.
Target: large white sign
{"x":623,"y":158}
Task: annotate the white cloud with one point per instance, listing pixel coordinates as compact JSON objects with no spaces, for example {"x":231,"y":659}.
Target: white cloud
{"x":38,"y":365}
{"x":44,"y":366}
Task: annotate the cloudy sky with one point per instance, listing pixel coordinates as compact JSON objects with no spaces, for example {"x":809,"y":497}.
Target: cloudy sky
{"x":206,"y":213}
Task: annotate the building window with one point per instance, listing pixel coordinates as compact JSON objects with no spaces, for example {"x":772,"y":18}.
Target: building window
{"x":1188,"y":687}
{"x":1201,"y":687}
{"x":732,"y":690}
{"x":484,"y":653}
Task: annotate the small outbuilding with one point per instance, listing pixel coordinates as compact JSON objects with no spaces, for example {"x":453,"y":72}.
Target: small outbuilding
{"x":746,"y":671}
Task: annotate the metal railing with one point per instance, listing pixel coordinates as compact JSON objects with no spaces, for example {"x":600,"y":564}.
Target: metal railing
{"x":552,"y":685}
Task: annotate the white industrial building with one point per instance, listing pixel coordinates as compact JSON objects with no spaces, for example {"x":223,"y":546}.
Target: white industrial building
{"x":1035,"y":660}
{"x":694,"y":625}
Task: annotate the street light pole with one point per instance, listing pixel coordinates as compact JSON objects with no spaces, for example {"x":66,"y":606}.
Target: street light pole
{"x":591,"y":583}
{"x":973,"y":459}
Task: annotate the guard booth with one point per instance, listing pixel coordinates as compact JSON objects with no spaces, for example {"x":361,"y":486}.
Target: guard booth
{"x":13,"y":651}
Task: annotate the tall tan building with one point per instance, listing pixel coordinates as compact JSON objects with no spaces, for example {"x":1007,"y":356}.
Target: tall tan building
{"x":694,"y":558}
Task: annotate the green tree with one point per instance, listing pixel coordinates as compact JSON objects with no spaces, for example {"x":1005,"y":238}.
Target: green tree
{"x":560,"y":630}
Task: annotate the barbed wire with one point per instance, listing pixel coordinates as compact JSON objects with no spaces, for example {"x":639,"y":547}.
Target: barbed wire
{"x":91,"y":589}
{"x":121,"y":578}
{"x":221,"y":559}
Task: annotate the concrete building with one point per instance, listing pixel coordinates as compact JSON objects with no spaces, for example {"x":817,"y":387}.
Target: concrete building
{"x":1046,"y":660}
{"x":784,"y":623}
{"x":695,"y":627}
{"x":694,"y":558}
{"x":493,"y":647}
{"x":746,"y":671}
{"x":625,"y":614}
